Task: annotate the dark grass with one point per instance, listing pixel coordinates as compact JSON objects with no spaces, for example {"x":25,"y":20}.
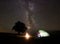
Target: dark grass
{"x":10,"y":38}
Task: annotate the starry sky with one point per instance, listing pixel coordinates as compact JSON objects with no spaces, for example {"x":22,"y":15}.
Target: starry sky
{"x":41,"y":13}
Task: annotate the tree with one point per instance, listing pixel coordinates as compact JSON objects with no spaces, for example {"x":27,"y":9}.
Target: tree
{"x":19,"y":27}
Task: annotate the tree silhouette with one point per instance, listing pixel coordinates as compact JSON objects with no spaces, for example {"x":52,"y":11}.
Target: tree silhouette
{"x":19,"y":27}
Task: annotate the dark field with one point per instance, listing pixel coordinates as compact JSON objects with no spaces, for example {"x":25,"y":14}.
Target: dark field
{"x":8,"y":38}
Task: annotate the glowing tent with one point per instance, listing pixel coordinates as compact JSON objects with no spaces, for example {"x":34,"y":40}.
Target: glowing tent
{"x":42,"y":33}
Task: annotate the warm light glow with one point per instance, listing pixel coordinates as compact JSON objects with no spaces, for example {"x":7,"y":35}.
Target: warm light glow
{"x":27,"y":36}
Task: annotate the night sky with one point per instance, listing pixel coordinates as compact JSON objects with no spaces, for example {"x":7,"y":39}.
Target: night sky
{"x":41,"y":13}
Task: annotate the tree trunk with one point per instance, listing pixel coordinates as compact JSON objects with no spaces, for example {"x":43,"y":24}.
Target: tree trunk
{"x":18,"y":33}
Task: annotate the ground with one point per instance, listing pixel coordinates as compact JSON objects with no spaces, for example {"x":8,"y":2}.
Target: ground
{"x":9,"y":38}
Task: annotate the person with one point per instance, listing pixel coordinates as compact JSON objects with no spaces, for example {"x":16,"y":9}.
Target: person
{"x":19,"y":27}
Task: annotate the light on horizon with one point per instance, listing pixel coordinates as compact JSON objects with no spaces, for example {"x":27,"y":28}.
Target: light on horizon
{"x":27,"y":36}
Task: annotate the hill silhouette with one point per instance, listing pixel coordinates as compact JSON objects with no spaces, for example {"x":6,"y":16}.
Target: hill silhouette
{"x":10,"y":38}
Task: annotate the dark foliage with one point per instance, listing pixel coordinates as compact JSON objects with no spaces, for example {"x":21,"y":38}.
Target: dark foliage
{"x":19,"y":27}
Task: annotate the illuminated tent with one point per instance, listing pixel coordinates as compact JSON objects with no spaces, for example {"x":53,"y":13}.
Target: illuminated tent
{"x":42,"y":33}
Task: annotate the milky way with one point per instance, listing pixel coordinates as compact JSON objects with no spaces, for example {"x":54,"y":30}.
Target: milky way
{"x":34,"y":13}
